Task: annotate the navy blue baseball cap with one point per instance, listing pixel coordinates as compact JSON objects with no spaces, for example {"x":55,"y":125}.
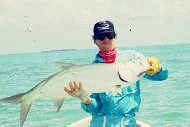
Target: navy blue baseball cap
{"x":103,"y":27}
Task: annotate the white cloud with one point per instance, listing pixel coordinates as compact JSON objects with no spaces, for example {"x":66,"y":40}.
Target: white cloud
{"x":37,"y":25}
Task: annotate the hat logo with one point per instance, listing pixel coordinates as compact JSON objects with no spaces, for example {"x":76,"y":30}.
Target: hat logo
{"x":104,"y":26}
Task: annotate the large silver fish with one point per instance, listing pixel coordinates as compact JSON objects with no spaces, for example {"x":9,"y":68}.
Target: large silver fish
{"x":95,"y":78}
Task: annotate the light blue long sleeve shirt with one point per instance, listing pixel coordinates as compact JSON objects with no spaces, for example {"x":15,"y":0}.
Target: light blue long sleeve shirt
{"x":110,"y":110}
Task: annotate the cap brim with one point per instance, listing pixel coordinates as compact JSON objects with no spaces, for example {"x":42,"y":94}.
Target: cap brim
{"x":104,"y":32}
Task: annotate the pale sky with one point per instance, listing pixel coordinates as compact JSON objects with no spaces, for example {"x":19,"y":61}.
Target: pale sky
{"x":41,"y":25}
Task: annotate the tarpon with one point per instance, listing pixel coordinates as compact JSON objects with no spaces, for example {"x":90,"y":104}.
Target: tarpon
{"x":94,"y":77}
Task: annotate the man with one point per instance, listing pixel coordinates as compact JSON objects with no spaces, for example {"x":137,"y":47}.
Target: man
{"x":110,"y":109}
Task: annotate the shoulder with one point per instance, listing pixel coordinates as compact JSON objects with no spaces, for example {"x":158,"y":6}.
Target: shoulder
{"x":98,"y":59}
{"x":126,"y":52}
{"x":128,"y":55}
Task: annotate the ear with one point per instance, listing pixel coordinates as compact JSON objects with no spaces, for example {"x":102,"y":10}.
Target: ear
{"x":95,"y":42}
{"x":93,"y":37}
{"x":115,"y":35}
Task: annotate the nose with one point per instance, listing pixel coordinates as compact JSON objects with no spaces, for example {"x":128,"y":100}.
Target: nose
{"x":106,"y":38}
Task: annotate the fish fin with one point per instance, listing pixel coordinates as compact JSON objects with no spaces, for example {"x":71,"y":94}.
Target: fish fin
{"x":65,"y":66}
{"x":13,"y":99}
{"x":59,"y":103}
{"x":25,"y":107}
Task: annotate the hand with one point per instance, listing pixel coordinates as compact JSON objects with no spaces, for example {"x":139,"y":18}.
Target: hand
{"x":77,"y":91}
{"x":154,"y":67}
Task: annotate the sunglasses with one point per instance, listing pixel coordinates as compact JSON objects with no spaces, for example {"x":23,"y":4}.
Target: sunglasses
{"x":102,"y":36}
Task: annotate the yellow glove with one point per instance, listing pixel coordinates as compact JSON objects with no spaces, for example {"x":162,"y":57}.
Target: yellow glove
{"x":154,"y":67}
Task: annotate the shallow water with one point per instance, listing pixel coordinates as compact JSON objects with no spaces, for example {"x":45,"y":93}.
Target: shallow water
{"x":164,"y":103}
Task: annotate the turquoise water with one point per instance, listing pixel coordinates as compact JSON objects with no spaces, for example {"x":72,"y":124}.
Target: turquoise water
{"x":165,"y":103}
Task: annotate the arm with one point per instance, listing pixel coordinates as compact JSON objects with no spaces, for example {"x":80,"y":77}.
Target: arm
{"x":159,"y":76}
{"x":89,"y":104}
{"x":157,"y":71}
{"x":93,"y":106}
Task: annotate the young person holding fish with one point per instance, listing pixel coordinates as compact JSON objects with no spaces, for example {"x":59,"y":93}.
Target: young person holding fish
{"x":108,"y":109}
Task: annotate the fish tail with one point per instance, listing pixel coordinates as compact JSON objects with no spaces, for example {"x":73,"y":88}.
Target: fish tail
{"x":13,"y":99}
{"x":25,"y":105}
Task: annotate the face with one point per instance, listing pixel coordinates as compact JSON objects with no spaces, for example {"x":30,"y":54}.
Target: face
{"x":105,"y":41}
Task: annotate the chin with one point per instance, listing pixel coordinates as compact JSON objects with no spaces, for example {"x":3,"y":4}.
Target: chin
{"x":107,"y":48}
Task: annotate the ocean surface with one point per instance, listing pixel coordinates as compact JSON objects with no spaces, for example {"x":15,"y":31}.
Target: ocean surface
{"x":164,"y":104}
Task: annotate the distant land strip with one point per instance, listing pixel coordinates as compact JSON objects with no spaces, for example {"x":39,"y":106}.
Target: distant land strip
{"x":59,"y":50}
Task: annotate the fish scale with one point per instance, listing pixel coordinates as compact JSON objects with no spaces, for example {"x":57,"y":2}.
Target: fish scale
{"x":94,"y":77}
